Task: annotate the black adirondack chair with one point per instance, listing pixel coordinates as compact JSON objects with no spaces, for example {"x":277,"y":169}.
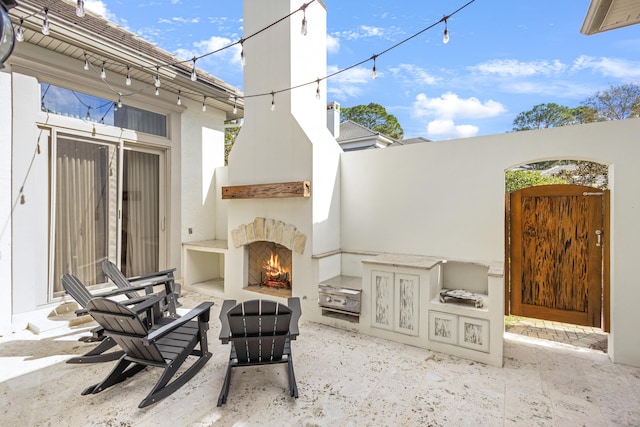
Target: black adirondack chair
{"x":164,"y":277}
{"x":167,"y":347}
{"x":76,"y":289}
{"x":260,"y":332}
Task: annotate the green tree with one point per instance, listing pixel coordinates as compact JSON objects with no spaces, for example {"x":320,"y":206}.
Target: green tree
{"x":375,"y":117}
{"x":616,"y":103}
{"x":545,"y":116}
{"x":230,"y":135}
{"x":518,"y":179}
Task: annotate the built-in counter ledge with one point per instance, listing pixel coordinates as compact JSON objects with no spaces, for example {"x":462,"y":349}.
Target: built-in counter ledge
{"x":411,"y":261}
{"x":213,"y":243}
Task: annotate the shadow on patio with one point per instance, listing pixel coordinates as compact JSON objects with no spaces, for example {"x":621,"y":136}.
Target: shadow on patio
{"x":344,"y":379}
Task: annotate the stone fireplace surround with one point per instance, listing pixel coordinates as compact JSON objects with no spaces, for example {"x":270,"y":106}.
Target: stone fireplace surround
{"x":269,"y":230}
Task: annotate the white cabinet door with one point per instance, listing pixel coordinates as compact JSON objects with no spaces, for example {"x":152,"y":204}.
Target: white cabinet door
{"x":382,"y":299}
{"x":395,"y":301}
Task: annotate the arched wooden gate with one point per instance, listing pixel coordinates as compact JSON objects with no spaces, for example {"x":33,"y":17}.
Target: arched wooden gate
{"x":558,"y":252}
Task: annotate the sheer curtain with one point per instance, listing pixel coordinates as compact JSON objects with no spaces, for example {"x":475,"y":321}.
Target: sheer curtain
{"x":140,"y":221}
{"x":85,"y":186}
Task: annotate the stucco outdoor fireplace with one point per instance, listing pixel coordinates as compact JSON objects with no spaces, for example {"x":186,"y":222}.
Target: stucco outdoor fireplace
{"x":270,"y":247}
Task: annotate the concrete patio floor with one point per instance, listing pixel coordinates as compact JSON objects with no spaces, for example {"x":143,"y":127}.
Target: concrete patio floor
{"x":344,"y":378}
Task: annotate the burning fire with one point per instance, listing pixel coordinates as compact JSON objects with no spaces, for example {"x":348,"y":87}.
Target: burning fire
{"x":275,"y":275}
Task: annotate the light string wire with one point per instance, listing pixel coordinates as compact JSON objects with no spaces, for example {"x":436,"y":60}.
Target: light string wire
{"x":242,"y":40}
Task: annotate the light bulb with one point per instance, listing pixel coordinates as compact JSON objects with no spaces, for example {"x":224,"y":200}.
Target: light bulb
{"x":318,"y":90}
{"x":103,"y":73}
{"x":194,"y":76}
{"x":45,"y":23}
{"x":157,"y":92}
{"x":204,"y":104}
{"x":235,"y":105}
{"x":115,"y":106}
{"x":80,"y":8}
{"x":119,"y":100}
{"x":374,"y":71}
{"x":179,"y":101}
{"x":157,"y":83}
{"x":243,"y":60}
{"x":127,"y":81}
{"x":20,"y":32}
{"x":304,"y":28}
{"x":273,"y":102}
{"x":86,"y":63}
{"x":445,"y":36}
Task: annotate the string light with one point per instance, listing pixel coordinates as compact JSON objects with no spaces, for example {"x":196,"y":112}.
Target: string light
{"x":318,"y":90}
{"x":179,"y":101}
{"x":86,"y":63}
{"x":88,"y":113}
{"x":20,"y":32}
{"x":235,"y":105}
{"x":80,"y":8}
{"x":374,"y":71}
{"x":204,"y":104}
{"x":119,"y":100}
{"x":45,"y":22}
{"x":445,"y":36}
{"x":157,"y":83}
{"x":127,"y":81}
{"x":22,"y":200}
{"x":103,"y":73}
{"x":194,"y":76}
{"x":115,"y":106}
{"x":304,"y":29}
{"x":273,"y":101}
{"x":243,"y":60}
{"x":157,"y":92}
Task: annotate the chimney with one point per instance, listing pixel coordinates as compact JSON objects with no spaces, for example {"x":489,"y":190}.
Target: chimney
{"x":333,"y":118}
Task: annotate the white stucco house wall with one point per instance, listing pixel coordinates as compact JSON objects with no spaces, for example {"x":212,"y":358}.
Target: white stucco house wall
{"x":434,"y":199}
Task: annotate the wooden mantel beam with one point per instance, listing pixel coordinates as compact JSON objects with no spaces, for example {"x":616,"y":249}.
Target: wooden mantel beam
{"x":268,"y":191}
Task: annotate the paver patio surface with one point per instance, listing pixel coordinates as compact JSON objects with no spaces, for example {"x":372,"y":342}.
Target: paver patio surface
{"x":344,"y":379}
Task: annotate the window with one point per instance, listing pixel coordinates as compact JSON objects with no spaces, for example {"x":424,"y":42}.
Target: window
{"x":70,"y":103}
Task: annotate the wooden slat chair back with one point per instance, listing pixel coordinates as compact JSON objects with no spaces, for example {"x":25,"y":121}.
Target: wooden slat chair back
{"x":164,"y":277}
{"x":76,"y":289}
{"x":260,"y":334}
{"x":167,"y":347}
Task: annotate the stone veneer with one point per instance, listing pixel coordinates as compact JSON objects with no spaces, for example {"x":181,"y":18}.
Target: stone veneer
{"x":269,"y":230}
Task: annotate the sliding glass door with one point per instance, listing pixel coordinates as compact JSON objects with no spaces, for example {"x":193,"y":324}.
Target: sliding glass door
{"x":108,"y":203}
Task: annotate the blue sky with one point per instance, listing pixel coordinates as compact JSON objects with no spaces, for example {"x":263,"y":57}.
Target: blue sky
{"x":503,"y":57}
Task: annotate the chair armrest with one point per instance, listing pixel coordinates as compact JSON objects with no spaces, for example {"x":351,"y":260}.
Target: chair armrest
{"x":296,"y":312}
{"x":146,"y":303}
{"x":200,"y":310}
{"x":225,"y":329}
{"x":161,"y":274}
{"x":121,"y":291}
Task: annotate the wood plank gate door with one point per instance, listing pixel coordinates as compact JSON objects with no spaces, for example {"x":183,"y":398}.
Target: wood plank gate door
{"x":558,"y":253}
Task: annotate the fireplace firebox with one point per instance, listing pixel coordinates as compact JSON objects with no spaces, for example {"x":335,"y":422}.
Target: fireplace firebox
{"x":270,"y":266}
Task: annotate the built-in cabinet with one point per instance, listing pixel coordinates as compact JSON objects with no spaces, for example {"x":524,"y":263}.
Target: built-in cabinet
{"x":401,"y":300}
{"x":395,"y":301}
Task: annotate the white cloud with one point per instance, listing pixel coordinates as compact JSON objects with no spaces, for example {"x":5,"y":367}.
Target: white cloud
{"x":447,"y":129}
{"x":413,"y":74}
{"x":216,"y":60}
{"x":609,"y":67}
{"x":347,"y":83}
{"x":180,"y":20}
{"x":363,"y":31}
{"x":444,"y":110}
{"x":515,"y":68}
{"x":100,"y":8}
{"x":333,"y":44}
{"x":449,"y":106}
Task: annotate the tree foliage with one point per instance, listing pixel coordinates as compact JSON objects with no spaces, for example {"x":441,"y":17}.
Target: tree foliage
{"x":616,"y":103}
{"x":375,"y":117}
{"x":230,"y":134}
{"x":586,"y":173}
{"x":552,"y":115}
{"x":518,"y":179}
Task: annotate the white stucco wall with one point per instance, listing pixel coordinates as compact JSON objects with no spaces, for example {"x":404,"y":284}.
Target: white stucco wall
{"x":447,"y":199}
{"x":202,"y":152}
{"x":5,"y":197}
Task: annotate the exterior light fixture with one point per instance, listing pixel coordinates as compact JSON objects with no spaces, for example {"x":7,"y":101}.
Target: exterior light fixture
{"x":7,"y":35}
